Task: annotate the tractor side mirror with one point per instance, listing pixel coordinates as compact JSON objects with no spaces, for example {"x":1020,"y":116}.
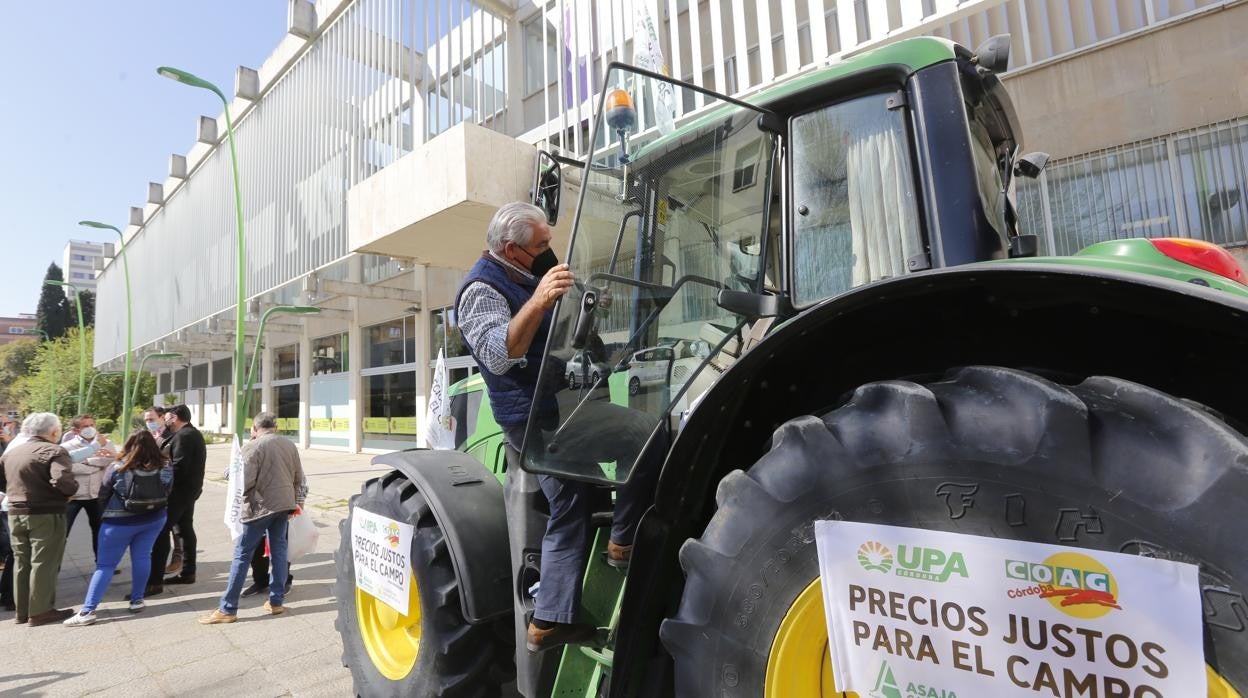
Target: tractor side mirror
{"x":1031,"y":165}
{"x":994,"y":54}
{"x":547,"y":183}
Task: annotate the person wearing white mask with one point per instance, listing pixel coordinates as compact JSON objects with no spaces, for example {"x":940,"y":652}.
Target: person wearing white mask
{"x":88,"y":473}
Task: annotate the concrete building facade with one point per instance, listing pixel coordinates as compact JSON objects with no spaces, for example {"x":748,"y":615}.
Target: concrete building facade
{"x":79,"y":261}
{"x":380,"y":136}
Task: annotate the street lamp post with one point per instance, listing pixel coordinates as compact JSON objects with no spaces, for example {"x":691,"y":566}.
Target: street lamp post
{"x":124,"y":419}
{"x":51,"y":369}
{"x":138,"y":375}
{"x":240,"y":356}
{"x":245,"y":406}
{"x":91,"y":385}
{"x":82,"y":341}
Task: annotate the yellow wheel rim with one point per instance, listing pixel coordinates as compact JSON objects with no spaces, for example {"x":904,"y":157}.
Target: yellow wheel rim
{"x":392,"y":640}
{"x":800,"y":665}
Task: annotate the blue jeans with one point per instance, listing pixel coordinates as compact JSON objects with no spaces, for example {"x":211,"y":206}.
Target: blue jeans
{"x":114,"y":539}
{"x":274,"y":525}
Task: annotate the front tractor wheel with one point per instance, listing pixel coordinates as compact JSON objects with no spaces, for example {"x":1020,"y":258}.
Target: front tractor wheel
{"x":1107,"y":465}
{"x":431,"y":651}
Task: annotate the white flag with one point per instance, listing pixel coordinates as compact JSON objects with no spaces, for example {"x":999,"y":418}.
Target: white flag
{"x":648,"y":54}
{"x":234,"y":491}
{"x":439,"y":424}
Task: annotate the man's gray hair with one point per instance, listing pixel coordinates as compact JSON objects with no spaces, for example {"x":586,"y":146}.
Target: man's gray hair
{"x":265,"y":420}
{"x":41,"y":424}
{"x":513,"y":222}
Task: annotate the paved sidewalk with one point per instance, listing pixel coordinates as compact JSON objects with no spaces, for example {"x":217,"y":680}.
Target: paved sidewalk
{"x":163,"y":651}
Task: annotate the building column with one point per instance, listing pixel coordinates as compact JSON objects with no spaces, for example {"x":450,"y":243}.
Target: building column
{"x":355,"y":356}
{"x":420,"y":282}
{"x":267,"y":402}
{"x":305,"y":387}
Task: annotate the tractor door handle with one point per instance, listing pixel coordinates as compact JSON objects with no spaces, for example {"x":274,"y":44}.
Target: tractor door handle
{"x":584,"y":319}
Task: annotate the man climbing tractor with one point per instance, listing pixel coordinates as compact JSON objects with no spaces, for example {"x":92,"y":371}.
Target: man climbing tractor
{"x":839,"y":319}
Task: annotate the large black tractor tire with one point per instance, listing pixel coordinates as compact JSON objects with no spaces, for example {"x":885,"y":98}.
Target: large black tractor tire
{"x":454,"y":658}
{"x":1107,"y":465}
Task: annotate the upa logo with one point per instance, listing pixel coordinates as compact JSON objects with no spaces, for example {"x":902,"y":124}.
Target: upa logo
{"x":1075,"y":584}
{"x":875,"y":557}
{"x":930,"y":564}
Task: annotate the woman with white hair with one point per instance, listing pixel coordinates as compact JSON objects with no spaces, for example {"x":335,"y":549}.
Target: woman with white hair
{"x":39,"y":481}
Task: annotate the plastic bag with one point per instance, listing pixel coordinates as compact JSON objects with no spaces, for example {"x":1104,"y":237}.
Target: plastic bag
{"x":301,"y":537}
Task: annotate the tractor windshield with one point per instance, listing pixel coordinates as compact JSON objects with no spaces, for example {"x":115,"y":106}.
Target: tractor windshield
{"x":672,"y":210}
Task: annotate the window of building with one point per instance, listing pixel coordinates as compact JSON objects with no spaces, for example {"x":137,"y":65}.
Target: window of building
{"x":534,"y":65}
{"x":444,"y":334}
{"x":390,"y":343}
{"x":79,"y":257}
{"x":164,"y":383}
{"x":329,"y":354}
{"x":179,"y":380}
{"x":80,"y":275}
{"x":223,"y":373}
{"x":389,"y":407}
{"x":17,"y":330}
{"x":286,"y":362}
{"x":287,"y":408}
{"x":199,"y":376}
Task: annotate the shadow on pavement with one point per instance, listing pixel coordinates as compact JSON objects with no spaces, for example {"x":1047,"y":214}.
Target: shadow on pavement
{"x":47,"y":679}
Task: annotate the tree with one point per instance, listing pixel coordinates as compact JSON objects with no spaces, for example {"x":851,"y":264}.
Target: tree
{"x":52,"y":378}
{"x":54,"y":315}
{"x":87,"y":298}
{"x":15,"y":360}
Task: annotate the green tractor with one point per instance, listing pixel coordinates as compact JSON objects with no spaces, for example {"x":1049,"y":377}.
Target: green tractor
{"x":819,"y":305}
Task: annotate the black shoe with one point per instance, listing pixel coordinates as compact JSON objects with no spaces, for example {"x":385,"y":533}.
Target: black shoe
{"x":254,"y":589}
{"x":290,"y":579}
{"x":8,"y":605}
{"x":181,"y":579}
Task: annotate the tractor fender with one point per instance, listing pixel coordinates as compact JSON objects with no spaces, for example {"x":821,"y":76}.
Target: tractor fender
{"x":1062,"y":321}
{"x":467,"y":501}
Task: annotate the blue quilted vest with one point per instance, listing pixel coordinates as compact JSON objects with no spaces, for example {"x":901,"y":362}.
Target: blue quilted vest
{"x":512,"y":393}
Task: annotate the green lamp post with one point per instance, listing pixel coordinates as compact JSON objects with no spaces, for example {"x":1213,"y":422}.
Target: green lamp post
{"x":138,"y":375}
{"x":123,"y":420}
{"x":91,"y":384}
{"x":82,"y":344}
{"x":51,"y":373}
{"x":240,"y":356}
{"x":245,"y":405}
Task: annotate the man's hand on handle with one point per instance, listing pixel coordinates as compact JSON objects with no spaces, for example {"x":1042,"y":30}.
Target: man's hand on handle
{"x":553,"y":286}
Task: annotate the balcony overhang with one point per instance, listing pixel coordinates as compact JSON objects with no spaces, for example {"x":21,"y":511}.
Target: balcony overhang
{"x":433,"y":204}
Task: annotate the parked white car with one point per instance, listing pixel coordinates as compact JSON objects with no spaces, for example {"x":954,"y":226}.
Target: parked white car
{"x":576,"y":370}
{"x":649,"y":367}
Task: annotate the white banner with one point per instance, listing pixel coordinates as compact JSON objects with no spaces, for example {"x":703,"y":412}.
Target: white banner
{"x":439,"y":424}
{"x":234,"y":491}
{"x":382,"y":550}
{"x":648,"y":54}
{"x":916,"y":613}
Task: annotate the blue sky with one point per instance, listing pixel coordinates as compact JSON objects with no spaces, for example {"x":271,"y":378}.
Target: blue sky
{"x":87,"y":122}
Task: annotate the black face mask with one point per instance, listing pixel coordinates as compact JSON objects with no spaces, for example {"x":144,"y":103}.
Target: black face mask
{"x":542,"y":263}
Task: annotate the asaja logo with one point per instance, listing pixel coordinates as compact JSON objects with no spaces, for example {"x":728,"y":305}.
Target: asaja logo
{"x":875,"y":557}
{"x":1075,"y":584}
{"x":885,"y":683}
{"x":392,"y":534}
{"x":886,"y":686}
{"x":930,"y":564}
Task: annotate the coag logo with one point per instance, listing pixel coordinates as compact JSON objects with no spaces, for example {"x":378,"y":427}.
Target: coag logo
{"x":875,"y":557}
{"x":392,"y":534}
{"x":1075,"y":584}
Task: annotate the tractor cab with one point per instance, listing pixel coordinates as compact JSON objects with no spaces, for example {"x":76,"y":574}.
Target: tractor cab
{"x":694,"y":237}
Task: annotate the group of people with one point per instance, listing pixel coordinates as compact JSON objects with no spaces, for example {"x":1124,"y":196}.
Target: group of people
{"x":139,"y":498}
